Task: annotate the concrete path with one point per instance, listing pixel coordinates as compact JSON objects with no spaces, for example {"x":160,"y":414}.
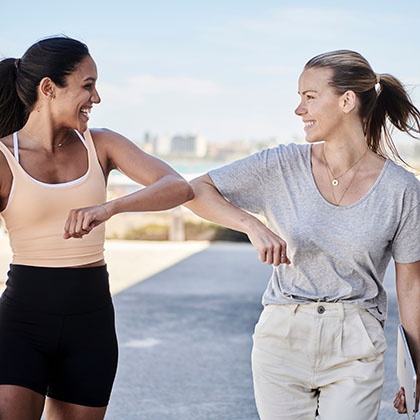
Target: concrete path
{"x":185,"y":339}
{"x":185,"y":331}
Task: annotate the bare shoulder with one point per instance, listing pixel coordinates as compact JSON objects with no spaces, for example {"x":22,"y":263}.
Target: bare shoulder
{"x":114,"y":144}
{"x":8,"y":142}
{"x":6,"y":176}
{"x":105,"y":135}
{"x":5,"y":172}
{"x":114,"y":149}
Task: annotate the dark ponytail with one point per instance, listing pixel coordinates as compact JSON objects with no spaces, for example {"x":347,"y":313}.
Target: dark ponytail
{"x":12,"y":109}
{"x":55,"y":58}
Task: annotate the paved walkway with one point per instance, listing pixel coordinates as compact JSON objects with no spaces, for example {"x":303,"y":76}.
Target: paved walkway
{"x":185,"y":332}
{"x":185,"y":339}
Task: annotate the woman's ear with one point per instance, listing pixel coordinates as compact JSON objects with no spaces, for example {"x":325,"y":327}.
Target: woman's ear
{"x":348,"y":101}
{"x":47,"y":88}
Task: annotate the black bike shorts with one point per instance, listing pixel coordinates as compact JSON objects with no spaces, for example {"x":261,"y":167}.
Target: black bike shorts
{"x":57,"y":333}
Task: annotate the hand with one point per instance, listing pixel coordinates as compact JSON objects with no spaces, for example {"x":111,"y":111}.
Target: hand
{"x":271,"y":248}
{"x":399,"y":401}
{"x":81,"y":221}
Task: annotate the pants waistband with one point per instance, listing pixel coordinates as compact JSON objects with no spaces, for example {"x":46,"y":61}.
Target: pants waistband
{"x":325,"y":309}
{"x":58,"y":290}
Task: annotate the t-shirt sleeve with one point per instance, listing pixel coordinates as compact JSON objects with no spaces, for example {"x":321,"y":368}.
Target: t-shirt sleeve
{"x":242,"y":182}
{"x":406,"y":244}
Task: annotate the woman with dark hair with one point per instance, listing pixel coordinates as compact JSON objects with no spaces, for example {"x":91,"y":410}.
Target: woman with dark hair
{"x":337,"y":210}
{"x":57,"y":332}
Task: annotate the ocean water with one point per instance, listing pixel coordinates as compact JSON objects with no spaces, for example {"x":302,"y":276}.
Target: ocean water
{"x":188,"y":170}
{"x":195,"y":168}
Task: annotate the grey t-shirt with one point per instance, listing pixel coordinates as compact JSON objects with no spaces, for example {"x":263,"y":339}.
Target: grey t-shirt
{"x":338,"y":254}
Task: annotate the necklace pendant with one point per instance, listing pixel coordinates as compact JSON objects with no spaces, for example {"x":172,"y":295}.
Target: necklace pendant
{"x":334,"y":182}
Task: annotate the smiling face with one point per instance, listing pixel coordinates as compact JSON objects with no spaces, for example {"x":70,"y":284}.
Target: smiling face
{"x":320,"y":107}
{"x":72,"y":104}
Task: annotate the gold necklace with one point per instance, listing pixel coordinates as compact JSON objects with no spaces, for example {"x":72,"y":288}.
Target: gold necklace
{"x":334,"y":180}
{"x":337,"y":202}
{"x":60,"y":144}
{"x":54,"y":145}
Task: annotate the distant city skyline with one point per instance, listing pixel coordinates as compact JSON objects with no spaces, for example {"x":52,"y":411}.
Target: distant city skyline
{"x":223,"y":69}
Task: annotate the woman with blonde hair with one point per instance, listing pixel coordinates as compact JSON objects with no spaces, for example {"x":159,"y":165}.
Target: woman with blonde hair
{"x":337,"y":208}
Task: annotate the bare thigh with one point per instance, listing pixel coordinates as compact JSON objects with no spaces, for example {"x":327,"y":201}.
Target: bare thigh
{"x":60,"y":410}
{"x":17,"y":402}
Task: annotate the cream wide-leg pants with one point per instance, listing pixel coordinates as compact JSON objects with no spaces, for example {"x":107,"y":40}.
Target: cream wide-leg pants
{"x":318,"y":357}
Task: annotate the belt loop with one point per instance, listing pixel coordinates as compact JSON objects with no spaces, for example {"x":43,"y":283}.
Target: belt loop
{"x":294,"y":308}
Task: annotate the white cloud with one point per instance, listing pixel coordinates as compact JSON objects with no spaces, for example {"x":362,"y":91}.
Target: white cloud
{"x":149,"y":84}
{"x":135,"y":89}
{"x":249,"y":66}
{"x":279,"y":70}
{"x":282,"y":26}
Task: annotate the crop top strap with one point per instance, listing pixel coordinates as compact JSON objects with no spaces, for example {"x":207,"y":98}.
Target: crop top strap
{"x":16,"y":146}
{"x":87,"y":132}
{"x":87,"y":140}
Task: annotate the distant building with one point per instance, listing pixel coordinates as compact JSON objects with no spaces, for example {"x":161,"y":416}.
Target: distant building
{"x":194,"y":146}
{"x":162,"y":144}
{"x":188,"y":145}
{"x":148,"y":143}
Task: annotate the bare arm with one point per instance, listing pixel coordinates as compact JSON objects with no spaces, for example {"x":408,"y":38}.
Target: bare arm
{"x":211,"y":205}
{"x":164,"y":187}
{"x":408,"y":294}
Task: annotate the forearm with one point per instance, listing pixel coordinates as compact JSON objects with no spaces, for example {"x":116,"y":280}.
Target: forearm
{"x":408,"y":293}
{"x":168,"y":192}
{"x":210,"y":205}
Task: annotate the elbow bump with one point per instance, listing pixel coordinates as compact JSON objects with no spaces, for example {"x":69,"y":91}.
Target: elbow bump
{"x":190,"y":193}
{"x":186,"y":191}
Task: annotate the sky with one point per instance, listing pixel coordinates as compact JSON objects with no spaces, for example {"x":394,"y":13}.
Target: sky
{"x":223,"y":69}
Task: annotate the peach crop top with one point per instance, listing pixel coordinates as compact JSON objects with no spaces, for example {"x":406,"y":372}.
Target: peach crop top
{"x":36,"y":213}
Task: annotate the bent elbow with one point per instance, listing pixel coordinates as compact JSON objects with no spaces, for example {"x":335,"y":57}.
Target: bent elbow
{"x":189,"y":192}
{"x":182,"y":190}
